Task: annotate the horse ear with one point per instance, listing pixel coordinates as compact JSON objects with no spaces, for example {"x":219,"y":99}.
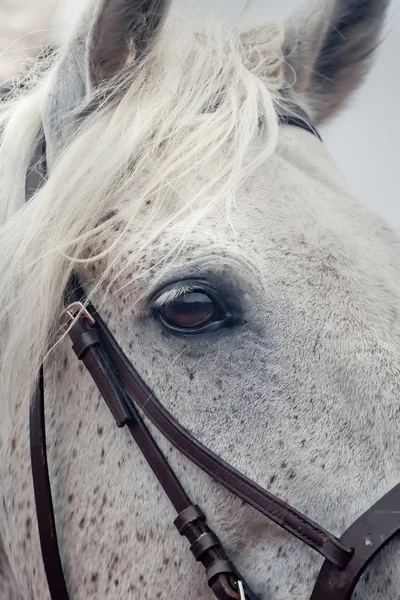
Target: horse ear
{"x":120,"y":27}
{"x":108,"y":33}
{"x":329,"y":45}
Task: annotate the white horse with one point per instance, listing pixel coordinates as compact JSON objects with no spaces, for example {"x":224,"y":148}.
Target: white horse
{"x":180,"y":175}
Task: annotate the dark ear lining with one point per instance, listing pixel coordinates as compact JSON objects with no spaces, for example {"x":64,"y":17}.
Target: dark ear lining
{"x":109,"y":32}
{"x":336,"y":41}
{"x":119,"y":28}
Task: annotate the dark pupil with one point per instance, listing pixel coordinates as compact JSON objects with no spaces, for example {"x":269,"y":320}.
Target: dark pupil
{"x":190,"y":310}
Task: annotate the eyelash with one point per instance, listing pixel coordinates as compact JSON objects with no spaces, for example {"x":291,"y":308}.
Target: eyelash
{"x":176,"y":293}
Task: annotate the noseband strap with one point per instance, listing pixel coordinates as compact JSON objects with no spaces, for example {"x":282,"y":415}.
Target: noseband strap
{"x":126,"y":394}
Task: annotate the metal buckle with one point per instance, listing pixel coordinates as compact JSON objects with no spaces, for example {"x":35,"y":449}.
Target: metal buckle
{"x":241,"y":590}
{"x":74,"y":310}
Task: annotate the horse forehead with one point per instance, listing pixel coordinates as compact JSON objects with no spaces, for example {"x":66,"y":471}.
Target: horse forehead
{"x":294,"y":209}
{"x":278,"y":207}
{"x":300,"y":199}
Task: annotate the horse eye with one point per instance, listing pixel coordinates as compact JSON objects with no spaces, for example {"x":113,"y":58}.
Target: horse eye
{"x":191,"y":311}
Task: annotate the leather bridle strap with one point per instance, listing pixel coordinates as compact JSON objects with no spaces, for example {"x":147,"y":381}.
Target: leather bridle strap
{"x":368,"y":536}
{"x":138,"y":393}
{"x":347,"y":558}
{"x":297,"y":117}
{"x":43,"y":497}
{"x":222,"y":576}
{"x":120,"y":386}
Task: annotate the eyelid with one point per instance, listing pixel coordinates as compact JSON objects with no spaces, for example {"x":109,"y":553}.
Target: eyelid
{"x":170,"y":292}
{"x":168,"y":296}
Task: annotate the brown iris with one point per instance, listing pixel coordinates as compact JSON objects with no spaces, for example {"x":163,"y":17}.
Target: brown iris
{"x":190,"y":311}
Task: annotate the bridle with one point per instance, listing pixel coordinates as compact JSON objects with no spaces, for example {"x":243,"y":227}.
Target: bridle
{"x":126,"y":394}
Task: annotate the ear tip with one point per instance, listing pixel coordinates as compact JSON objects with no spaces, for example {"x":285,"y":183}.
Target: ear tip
{"x":120,"y":26}
{"x":336,"y":51}
{"x":100,"y":45}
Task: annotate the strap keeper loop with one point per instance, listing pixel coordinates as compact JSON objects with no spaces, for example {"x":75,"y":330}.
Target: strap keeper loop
{"x":204,"y":543}
{"x":88,"y":339}
{"x":189,"y":515}
{"x":219,"y":567}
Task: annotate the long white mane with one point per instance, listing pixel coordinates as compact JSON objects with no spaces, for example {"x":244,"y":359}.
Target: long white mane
{"x":196,"y":105}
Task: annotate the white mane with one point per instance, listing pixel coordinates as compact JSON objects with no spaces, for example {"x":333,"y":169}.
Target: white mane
{"x":195,"y":105}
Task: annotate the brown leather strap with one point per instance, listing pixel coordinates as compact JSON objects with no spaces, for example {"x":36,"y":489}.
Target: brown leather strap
{"x":191,"y":521}
{"x":43,"y":498}
{"x":363,"y":540}
{"x":292,"y":114}
{"x":280,"y":512}
{"x":368,"y":536}
{"x":296,"y":117}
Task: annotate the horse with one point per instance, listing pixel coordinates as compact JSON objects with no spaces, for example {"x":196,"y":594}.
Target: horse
{"x":254,"y":294}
